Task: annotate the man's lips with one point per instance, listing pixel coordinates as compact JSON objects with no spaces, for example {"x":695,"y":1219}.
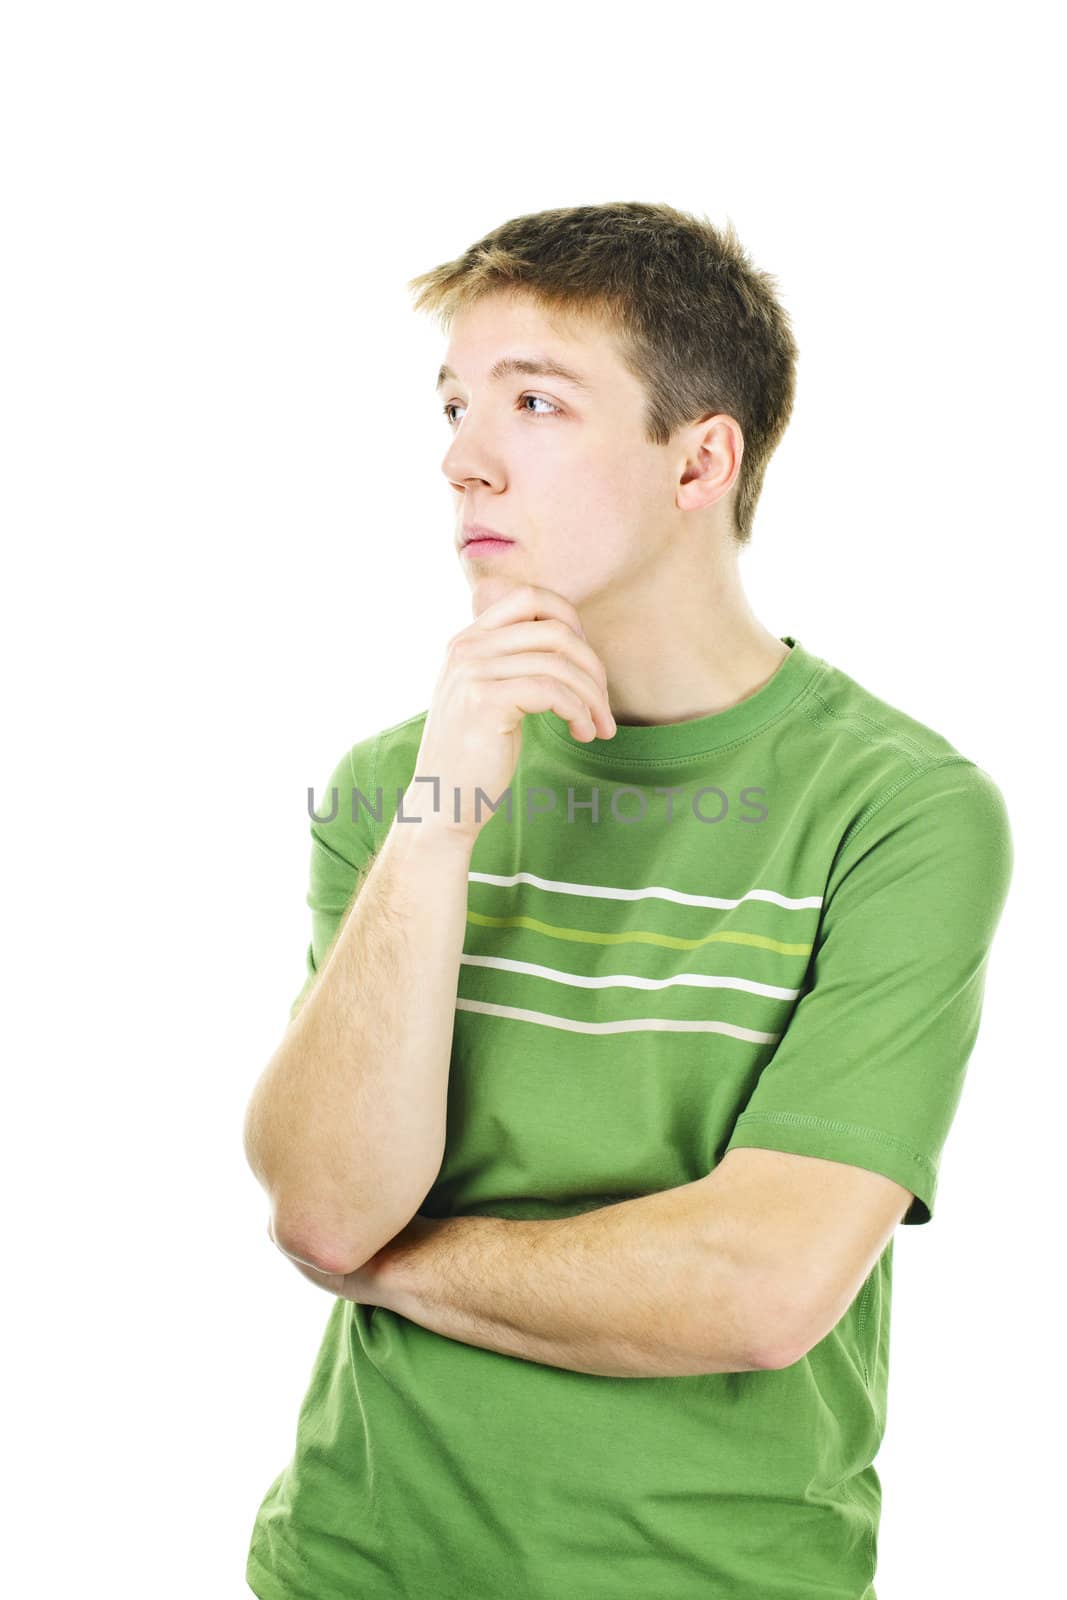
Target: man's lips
{"x":478,"y":530}
{"x":475,"y":549}
{"x":478,"y":540}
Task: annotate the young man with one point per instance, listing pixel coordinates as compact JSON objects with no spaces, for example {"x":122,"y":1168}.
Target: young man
{"x":597,"y":1113}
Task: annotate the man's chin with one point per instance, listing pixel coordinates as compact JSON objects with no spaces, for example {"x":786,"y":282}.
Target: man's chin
{"x":489,"y":587}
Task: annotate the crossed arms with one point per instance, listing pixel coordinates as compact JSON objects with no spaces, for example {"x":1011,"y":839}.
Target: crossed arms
{"x":743,"y":1270}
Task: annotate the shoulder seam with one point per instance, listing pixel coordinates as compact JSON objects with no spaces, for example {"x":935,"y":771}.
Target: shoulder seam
{"x":909,"y":745}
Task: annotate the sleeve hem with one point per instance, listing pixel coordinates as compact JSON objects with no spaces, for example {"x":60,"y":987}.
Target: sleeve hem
{"x":799,"y":1133}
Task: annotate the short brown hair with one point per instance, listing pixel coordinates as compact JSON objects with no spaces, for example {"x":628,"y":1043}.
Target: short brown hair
{"x":697,"y":324}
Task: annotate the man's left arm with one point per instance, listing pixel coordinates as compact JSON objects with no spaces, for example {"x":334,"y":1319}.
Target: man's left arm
{"x":636,"y":1289}
{"x":743,"y":1270}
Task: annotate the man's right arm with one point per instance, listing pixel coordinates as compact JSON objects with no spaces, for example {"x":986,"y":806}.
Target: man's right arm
{"x":345,"y":1128}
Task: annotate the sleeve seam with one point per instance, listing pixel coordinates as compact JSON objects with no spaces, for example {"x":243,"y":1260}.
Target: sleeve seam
{"x":374,"y":825}
{"x":374,"y":789}
{"x":861,"y":822}
{"x":827,"y":1124}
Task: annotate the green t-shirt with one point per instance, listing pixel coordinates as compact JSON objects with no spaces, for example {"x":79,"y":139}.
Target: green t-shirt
{"x":789,"y":951}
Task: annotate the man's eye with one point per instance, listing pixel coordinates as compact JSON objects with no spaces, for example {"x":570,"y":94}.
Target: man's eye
{"x":543,"y":401}
{"x":553,"y":410}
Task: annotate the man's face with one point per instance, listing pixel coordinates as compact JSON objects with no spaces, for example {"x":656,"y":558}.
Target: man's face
{"x":564,"y":471}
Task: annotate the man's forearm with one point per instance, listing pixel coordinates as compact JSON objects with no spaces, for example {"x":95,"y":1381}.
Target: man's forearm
{"x":346,"y":1127}
{"x":632,"y":1290}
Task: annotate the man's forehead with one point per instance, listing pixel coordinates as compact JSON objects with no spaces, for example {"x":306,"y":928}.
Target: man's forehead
{"x":569,"y":346}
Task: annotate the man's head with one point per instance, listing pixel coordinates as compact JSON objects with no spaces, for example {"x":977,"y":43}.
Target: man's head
{"x":687,"y":364}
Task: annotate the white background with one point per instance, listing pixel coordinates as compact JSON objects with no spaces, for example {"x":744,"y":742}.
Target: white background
{"x":229,"y":554}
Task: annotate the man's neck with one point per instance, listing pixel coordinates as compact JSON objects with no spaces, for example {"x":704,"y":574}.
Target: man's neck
{"x":689,"y":647}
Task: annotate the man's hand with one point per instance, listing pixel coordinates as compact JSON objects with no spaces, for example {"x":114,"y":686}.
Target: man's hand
{"x":525,"y":652}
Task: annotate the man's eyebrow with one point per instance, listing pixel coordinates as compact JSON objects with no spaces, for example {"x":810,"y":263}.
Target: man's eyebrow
{"x":535,"y":367}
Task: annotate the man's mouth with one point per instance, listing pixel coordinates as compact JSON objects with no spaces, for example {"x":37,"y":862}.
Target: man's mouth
{"x":477,"y":530}
{"x":478,"y":540}
{"x":486,"y":547}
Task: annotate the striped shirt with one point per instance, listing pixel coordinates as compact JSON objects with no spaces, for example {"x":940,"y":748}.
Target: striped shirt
{"x":769,"y":926}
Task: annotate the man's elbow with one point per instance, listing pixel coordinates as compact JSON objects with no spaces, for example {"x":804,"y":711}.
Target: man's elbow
{"x":766,"y":1354}
{"x":741,"y":1328}
{"x":778,"y":1331}
{"x":299,"y":1238}
{"x":777,"y":1357}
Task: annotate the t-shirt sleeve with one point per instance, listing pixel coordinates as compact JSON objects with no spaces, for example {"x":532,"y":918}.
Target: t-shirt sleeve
{"x":871,"y":1065}
{"x":342,"y":853}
